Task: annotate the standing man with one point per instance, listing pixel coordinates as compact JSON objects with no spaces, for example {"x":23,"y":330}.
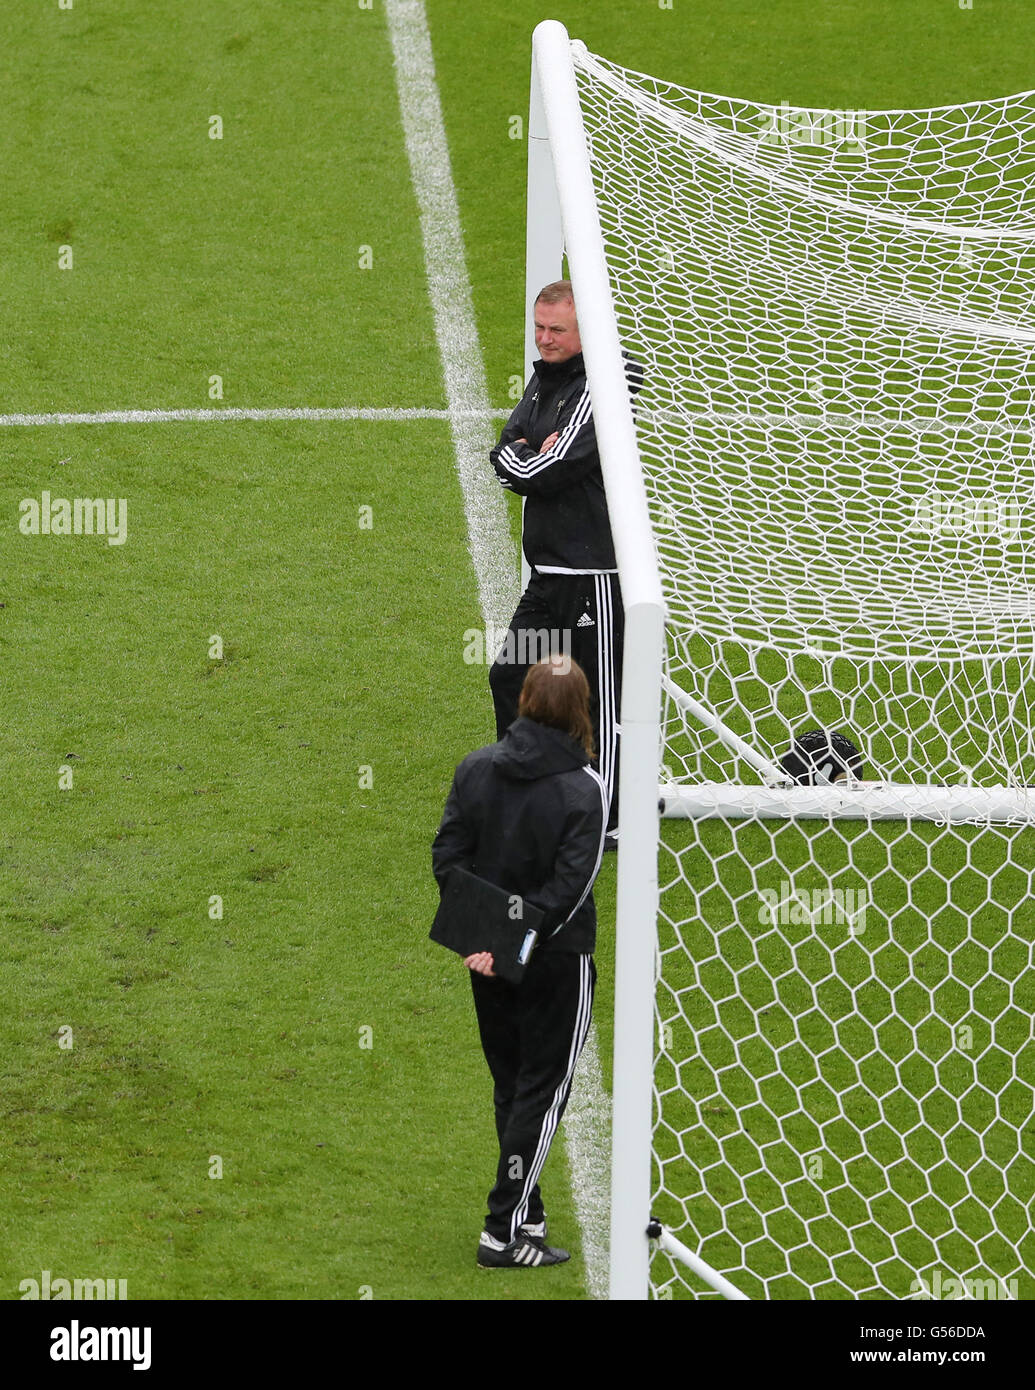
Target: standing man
{"x":547,"y":454}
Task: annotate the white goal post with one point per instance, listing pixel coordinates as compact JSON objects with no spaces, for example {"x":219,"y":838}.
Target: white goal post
{"x":824,"y":518}
{"x":562,"y":216}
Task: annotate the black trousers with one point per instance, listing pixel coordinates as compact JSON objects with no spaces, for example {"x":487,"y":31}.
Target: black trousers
{"x":580,"y":615}
{"x":532,"y":1034}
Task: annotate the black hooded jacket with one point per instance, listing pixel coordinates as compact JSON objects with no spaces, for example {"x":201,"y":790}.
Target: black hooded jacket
{"x":529,"y":815}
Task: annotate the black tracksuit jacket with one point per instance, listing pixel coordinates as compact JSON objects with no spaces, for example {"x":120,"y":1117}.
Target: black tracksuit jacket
{"x":566,"y":526}
{"x":529,"y":814}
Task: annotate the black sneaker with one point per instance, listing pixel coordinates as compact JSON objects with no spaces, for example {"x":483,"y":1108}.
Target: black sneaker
{"x":534,"y":1230}
{"x":522,"y":1253}
{"x":610,"y":841}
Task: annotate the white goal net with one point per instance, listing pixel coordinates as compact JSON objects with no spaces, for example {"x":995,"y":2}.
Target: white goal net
{"x":834,"y":313}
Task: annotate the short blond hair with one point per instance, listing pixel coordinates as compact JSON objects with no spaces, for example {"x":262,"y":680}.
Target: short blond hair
{"x":557,"y":293}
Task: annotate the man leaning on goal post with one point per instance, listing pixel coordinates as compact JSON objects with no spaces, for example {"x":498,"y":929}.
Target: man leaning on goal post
{"x":548,"y":454}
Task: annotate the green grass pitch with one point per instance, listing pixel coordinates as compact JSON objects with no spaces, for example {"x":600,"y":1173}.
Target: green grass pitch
{"x":307,"y":1043}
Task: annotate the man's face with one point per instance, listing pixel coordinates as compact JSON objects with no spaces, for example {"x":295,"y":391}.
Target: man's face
{"x":556,"y":331}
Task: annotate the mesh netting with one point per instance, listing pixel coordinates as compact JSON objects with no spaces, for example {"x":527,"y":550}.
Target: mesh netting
{"x":834,"y":311}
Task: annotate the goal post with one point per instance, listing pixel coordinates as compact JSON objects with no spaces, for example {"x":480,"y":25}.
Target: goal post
{"x":824,"y":521}
{"x":560,"y":182}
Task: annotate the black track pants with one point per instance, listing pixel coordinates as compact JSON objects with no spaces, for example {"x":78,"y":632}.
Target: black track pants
{"x":532,"y":1035}
{"x":581,"y":616}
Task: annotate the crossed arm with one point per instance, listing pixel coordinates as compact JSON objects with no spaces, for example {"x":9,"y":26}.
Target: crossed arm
{"x":548,"y":442}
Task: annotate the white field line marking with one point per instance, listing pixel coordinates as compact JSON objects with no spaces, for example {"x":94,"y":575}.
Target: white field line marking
{"x":587,"y":1129}
{"x":161,"y":417}
{"x":492,"y":550}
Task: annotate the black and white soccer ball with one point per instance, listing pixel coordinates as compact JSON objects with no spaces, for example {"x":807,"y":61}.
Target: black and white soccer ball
{"x":818,"y":758}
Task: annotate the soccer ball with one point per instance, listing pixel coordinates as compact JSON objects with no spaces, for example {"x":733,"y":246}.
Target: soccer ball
{"x":819,"y":758}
